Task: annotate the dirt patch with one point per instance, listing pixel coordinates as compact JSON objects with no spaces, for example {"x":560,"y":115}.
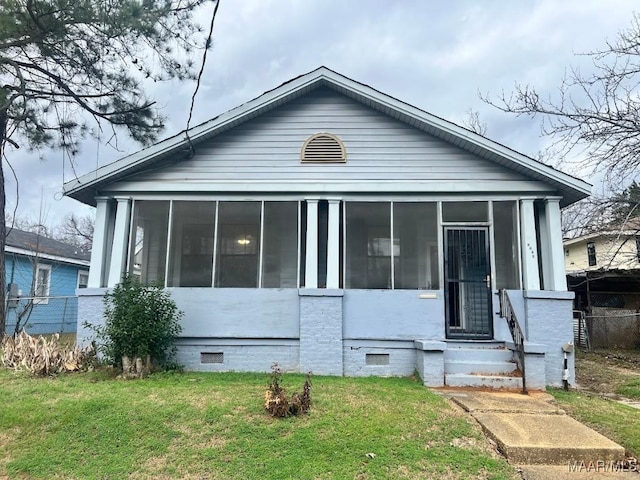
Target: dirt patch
{"x":603,"y":371}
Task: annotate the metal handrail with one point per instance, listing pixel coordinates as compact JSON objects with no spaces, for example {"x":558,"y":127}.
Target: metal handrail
{"x":507,"y":312}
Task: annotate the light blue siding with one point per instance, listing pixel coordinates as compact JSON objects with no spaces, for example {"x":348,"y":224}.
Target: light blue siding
{"x":54,"y":315}
{"x":265,"y":152}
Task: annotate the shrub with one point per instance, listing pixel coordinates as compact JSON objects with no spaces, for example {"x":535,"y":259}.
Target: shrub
{"x":141,"y":325}
{"x":44,"y":356}
{"x":276,"y":401}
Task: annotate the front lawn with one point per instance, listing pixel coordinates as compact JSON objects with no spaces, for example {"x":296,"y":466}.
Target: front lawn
{"x":206,"y":426}
{"x":620,"y":423}
{"x":604,"y":376}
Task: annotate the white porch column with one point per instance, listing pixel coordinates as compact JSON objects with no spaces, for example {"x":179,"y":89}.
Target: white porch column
{"x":99,"y":248}
{"x":545,"y":261}
{"x":529,"y":253}
{"x":555,"y":276}
{"x":120,"y":241}
{"x":311,"y":260}
{"x":333,"y":245}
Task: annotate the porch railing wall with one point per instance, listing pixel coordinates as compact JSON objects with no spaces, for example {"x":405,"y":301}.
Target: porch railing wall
{"x":507,"y":312}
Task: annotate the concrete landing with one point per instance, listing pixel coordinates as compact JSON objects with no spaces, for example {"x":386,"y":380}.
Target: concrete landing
{"x":529,"y":430}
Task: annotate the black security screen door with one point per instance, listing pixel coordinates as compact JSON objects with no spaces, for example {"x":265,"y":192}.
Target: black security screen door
{"x":468,"y":283}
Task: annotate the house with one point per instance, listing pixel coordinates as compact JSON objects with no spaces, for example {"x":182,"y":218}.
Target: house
{"x":42,"y":276}
{"x":609,"y":262}
{"x":603,"y":270}
{"x":329,"y":227}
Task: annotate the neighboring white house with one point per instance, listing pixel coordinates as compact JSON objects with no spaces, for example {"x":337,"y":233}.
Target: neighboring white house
{"x":611,"y":249}
{"x":329,"y":227}
{"x":603,"y":270}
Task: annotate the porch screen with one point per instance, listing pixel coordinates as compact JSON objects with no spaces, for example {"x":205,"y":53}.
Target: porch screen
{"x":238,"y":249}
{"x":280,"y":245}
{"x":506,"y":244}
{"x":415,"y":232}
{"x":465,"y":212}
{"x":149,"y":241}
{"x":368,"y":252}
{"x":191,"y":249}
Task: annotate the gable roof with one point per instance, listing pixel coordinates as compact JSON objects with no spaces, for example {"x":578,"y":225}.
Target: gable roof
{"x":87,"y":187}
{"x":31,"y":244}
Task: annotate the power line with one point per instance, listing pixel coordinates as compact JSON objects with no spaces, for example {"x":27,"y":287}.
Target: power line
{"x":204,"y":61}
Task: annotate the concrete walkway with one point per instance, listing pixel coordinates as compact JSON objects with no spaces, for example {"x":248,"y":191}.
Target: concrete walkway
{"x":533,"y":433}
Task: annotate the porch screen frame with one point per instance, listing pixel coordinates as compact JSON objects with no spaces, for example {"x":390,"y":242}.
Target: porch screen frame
{"x":215,"y":263}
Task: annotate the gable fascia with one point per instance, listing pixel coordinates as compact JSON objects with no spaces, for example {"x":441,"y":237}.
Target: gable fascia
{"x":573,"y":189}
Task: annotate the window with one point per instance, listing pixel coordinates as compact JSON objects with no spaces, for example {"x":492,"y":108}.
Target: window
{"x":638,"y":248}
{"x":42,"y":284}
{"x":83,"y":278}
{"x":591,"y":254}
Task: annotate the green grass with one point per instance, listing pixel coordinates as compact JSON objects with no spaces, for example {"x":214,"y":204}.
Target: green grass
{"x":630,"y":389}
{"x":213,"y":426}
{"x":616,"y":421}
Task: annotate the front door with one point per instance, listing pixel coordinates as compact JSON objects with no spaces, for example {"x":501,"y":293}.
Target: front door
{"x":467,"y":283}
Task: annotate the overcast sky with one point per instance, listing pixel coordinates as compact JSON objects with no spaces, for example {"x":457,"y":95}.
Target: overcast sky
{"x":436,"y":55}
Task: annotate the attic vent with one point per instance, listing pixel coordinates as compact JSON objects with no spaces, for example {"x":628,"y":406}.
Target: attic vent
{"x":323,"y":147}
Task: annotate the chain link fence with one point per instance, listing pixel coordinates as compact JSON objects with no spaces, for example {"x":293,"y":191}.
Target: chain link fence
{"x":614,"y":328}
{"x":42,"y":315}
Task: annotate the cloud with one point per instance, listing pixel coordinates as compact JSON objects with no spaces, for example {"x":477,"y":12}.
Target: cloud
{"x":434,"y":55}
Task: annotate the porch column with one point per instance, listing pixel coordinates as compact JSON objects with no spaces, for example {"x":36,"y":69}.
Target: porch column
{"x":554,"y":270}
{"x":311,"y":260}
{"x":120,"y":241}
{"x":99,"y":248}
{"x":333,"y":245}
{"x":529,"y":253}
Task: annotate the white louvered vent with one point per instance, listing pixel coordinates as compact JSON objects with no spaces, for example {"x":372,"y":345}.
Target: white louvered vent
{"x":323,"y":148}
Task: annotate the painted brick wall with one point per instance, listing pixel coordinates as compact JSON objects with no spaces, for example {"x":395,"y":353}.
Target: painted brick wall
{"x":90,"y":310}
{"x":321,"y":332}
{"x":550,"y":323}
{"x":402,"y":361}
{"x":239,"y":358}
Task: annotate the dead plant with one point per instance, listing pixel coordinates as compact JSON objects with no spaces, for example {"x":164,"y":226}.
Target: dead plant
{"x":278,"y":403}
{"x":40,"y":355}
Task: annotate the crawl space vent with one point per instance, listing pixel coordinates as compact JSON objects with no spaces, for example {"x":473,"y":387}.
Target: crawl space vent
{"x":377,"y":359}
{"x":323,"y":148}
{"x":206,"y":357}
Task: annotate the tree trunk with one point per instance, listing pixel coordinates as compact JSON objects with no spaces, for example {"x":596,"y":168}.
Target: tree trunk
{"x":3,"y":226}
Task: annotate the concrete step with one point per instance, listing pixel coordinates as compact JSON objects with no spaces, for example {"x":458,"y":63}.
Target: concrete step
{"x":478,"y":368}
{"x":474,"y":344}
{"x":472,"y":355}
{"x":482,"y":381}
{"x":529,"y":439}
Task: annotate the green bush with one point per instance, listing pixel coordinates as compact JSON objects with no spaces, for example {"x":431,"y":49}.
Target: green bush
{"x":140,"y":322}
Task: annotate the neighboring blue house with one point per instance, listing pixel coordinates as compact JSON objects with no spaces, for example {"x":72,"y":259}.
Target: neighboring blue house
{"x":329,"y":227}
{"x":42,"y":276}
